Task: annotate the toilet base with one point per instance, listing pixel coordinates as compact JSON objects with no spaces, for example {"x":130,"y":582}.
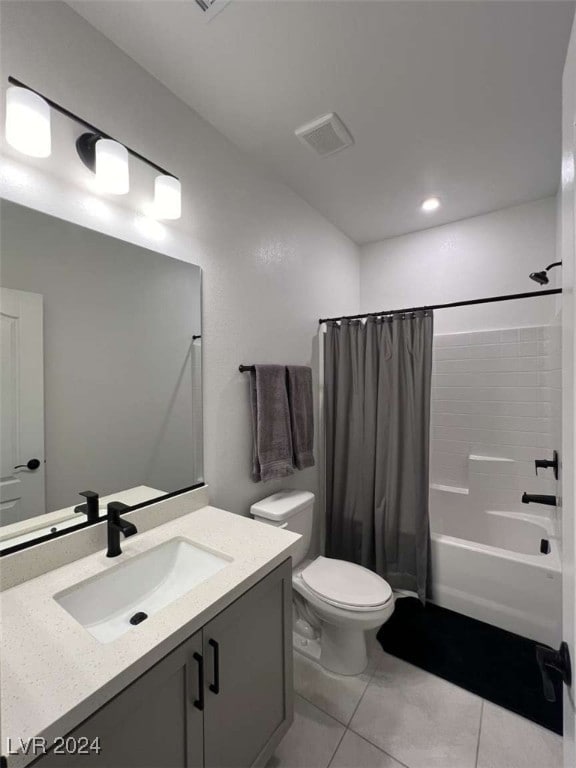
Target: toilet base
{"x":309,"y":647}
{"x":340,"y":650}
{"x":343,"y":650}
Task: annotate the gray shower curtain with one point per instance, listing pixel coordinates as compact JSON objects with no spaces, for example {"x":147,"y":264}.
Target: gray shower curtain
{"x":377,"y":400}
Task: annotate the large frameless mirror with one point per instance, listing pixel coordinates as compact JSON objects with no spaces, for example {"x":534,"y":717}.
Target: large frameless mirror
{"x":100,"y":375}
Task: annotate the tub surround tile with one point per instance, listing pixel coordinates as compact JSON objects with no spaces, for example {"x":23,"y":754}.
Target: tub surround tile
{"x":418,"y":719}
{"x":504,"y":380}
{"x":510,"y":741}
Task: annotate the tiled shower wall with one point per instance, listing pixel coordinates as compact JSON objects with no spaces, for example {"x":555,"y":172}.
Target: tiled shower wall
{"x":492,"y":405}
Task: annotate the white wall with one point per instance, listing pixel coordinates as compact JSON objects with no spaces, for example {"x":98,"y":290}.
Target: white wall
{"x":272,"y":265}
{"x":486,"y":255}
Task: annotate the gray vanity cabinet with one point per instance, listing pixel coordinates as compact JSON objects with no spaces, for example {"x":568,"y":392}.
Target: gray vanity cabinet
{"x":165,"y":719}
{"x":248,"y":659}
{"x":151,"y":724}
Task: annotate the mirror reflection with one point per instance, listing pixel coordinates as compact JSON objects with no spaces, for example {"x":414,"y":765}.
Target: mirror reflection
{"x":100,"y":374}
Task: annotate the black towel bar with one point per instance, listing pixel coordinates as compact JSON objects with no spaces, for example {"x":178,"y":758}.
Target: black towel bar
{"x":244,"y":368}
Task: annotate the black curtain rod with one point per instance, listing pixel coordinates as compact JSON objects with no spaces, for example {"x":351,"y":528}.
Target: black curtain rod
{"x":509,"y":297}
{"x":86,"y":124}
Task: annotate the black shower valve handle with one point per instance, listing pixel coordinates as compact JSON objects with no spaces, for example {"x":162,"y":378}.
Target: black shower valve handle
{"x":548,"y":464}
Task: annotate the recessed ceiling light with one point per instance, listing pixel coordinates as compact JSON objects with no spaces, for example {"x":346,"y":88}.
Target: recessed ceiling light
{"x":431,"y":204}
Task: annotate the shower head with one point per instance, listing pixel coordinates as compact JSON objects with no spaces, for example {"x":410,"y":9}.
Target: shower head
{"x":540,"y":277}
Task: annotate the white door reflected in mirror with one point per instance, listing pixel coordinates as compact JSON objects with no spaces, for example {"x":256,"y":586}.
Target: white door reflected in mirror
{"x":22,"y":472}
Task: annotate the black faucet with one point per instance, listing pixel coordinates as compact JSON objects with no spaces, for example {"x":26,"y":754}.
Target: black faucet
{"x":538,"y":498}
{"x":116,"y":526}
{"x":92,"y":506}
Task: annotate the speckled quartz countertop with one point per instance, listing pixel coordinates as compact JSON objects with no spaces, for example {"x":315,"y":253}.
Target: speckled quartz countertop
{"x":54,"y":674}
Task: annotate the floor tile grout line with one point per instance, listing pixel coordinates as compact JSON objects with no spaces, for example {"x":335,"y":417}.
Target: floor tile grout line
{"x":376,"y":746}
{"x":330,"y":714}
{"x":349,"y":728}
{"x":396,"y":760}
{"x":359,"y":702}
{"x":325,"y":711}
{"x":337,"y":747}
{"x":312,"y":704}
{"x":479,"y":734}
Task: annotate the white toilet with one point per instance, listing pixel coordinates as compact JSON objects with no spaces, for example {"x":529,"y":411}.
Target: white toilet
{"x":336,"y":602}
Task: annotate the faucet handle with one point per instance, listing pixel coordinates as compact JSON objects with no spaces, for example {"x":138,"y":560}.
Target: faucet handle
{"x":117,"y":525}
{"x":92,"y":507}
{"x":115,"y":509}
{"x":548,"y":463}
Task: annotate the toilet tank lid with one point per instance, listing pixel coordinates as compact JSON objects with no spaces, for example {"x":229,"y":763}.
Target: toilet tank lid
{"x":282,"y":505}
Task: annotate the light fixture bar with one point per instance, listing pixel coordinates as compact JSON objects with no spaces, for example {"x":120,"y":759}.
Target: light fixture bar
{"x":89,"y":126}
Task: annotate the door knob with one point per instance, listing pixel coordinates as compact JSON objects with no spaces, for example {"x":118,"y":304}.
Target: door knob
{"x":548,"y":658}
{"x":32,"y":464}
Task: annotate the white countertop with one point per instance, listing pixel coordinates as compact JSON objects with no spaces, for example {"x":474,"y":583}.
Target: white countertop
{"x":54,"y":674}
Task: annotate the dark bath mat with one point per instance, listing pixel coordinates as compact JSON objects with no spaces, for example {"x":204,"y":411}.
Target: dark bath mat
{"x":485,"y":660}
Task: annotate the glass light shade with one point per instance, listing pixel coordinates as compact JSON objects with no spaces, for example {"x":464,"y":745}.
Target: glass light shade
{"x":167,"y":198}
{"x":111,"y":167}
{"x":431,"y":204}
{"x":28,"y":122}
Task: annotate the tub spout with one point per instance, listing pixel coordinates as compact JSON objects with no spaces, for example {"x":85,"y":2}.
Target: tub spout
{"x":538,"y":498}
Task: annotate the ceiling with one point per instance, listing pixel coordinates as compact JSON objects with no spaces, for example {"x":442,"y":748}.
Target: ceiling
{"x":456,"y":99}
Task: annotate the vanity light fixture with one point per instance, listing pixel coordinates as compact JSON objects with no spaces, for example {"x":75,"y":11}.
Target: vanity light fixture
{"x":167,"y":197}
{"x":109,"y":161}
{"x":430,"y":204}
{"x":28,"y":122}
{"x":28,"y":130}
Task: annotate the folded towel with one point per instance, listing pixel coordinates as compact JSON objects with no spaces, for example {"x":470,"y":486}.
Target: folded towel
{"x":301,"y":403}
{"x":272,"y":438}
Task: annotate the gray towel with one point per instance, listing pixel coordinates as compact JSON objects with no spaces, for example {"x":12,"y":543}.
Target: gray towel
{"x":272,"y":438}
{"x":301,"y":414}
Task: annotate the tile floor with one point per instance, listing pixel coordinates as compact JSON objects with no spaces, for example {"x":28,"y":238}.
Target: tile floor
{"x":398,"y":716}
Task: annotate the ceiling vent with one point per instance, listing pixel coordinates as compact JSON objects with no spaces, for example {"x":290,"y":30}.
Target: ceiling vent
{"x":325,"y":135}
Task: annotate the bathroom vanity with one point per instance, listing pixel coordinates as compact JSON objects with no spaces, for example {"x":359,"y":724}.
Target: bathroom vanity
{"x":175,"y":650}
{"x":190,"y":709}
{"x":204,"y":680}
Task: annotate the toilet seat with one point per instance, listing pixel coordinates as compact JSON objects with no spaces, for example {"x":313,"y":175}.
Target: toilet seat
{"x":346,"y":585}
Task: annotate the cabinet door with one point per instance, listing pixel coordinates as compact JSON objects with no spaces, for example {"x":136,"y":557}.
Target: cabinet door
{"x":151,"y":723}
{"x":248,"y":662}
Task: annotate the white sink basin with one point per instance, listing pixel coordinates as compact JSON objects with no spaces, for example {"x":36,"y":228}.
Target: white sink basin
{"x":145,"y":584}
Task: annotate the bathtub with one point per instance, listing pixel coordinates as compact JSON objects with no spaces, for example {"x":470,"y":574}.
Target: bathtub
{"x":488,"y":565}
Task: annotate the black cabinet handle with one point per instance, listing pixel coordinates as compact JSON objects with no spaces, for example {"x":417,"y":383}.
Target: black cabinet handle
{"x":32,"y":464}
{"x":215,"y":686}
{"x":199,"y":702}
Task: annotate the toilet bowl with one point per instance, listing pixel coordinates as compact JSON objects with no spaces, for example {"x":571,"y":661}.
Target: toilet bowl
{"x":336,"y":602}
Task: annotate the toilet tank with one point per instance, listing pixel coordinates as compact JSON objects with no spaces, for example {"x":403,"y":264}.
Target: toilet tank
{"x":293,"y":510}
